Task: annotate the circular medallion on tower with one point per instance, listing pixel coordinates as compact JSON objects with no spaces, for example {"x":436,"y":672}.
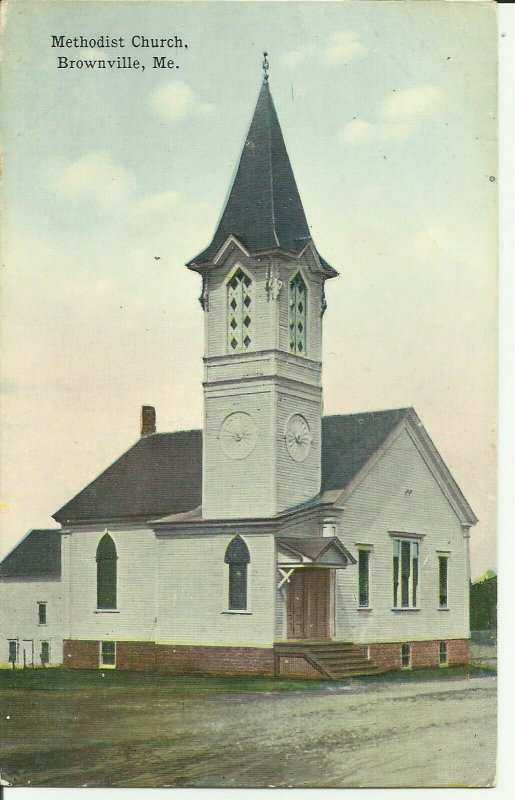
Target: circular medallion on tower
{"x":298,"y":437}
{"x":238,"y":434}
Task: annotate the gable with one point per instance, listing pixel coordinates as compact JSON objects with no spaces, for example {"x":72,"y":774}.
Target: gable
{"x":162,"y":473}
{"x":400,"y":483}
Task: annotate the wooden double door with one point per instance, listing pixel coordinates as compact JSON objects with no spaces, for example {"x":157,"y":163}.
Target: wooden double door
{"x":309,"y":604}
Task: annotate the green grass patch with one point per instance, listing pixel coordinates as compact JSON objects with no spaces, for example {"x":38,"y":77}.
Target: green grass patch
{"x":89,"y":680}
{"x":429,"y":674}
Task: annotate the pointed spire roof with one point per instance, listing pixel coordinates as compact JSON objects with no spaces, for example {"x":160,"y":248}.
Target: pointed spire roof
{"x":264,"y":210}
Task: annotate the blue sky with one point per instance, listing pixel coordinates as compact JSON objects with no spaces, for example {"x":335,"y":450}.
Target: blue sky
{"x":389,"y":115}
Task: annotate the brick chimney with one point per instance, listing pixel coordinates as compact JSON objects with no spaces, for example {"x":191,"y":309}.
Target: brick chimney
{"x":148,"y":420}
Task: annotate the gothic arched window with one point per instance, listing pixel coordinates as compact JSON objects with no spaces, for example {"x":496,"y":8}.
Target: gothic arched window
{"x":238,"y":557}
{"x":106,"y":573}
{"x":239,"y":312}
{"x":297,"y":302}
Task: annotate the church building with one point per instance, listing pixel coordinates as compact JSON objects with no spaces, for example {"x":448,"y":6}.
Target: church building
{"x":275,"y":541}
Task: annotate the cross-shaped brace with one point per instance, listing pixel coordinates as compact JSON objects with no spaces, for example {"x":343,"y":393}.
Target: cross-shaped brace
{"x":286,"y":575}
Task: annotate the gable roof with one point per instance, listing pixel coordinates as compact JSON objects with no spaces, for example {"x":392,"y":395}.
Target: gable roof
{"x":38,"y":555}
{"x":327,"y":550}
{"x":349,"y":441}
{"x":263,"y":210}
{"x":162,"y":473}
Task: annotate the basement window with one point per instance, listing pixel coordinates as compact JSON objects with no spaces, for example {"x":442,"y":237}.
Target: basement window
{"x":443,"y":658}
{"x":107,"y":654}
{"x":406,"y":656}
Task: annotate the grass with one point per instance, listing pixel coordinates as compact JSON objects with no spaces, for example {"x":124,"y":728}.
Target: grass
{"x":63,"y":679}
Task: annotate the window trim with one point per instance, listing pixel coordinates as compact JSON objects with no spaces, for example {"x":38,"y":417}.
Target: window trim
{"x":409,"y":664}
{"x":230,"y":561}
{"x":443,"y":557}
{"x":101,"y":656}
{"x":413,"y":576}
{"x":294,"y":350}
{"x":43,"y":642}
{"x":16,"y":643}
{"x":106,"y":536}
{"x":368,"y":550}
{"x":242,"y":349}
{"x":42,"y":604}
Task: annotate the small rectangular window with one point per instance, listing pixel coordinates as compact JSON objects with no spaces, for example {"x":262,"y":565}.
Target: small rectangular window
{"x":13,"y":651}
{"x":363,"y":570}
{"x":108,"y":654}
{"x":442,"y":581}
{"x":443,"y":654}
{"x":42,"y":613}
{"x":405,"y":656}
{"x":45,"y":652}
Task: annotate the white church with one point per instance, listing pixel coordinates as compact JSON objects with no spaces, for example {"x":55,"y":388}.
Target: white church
{"x":275,"y":541}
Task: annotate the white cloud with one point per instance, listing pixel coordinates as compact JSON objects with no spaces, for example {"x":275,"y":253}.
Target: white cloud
{"x":176,"y":100}
{"x":419,"y":103}
{"x":95,"y":177}
{"x":294,"y":57}
{"x":397,"y":117}
{"x":342,"y":46}
{"x":360,"y":130}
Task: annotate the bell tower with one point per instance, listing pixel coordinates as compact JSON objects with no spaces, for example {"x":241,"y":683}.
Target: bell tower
{"x":263,"y":302}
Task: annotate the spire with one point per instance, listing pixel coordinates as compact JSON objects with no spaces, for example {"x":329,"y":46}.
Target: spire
{"x":264,"y":210}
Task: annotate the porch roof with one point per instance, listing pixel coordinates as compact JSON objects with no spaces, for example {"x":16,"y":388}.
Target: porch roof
{"x":327,"y":551}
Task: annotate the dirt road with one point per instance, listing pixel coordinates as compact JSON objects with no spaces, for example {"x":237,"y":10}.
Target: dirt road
{"x":366,"y":734}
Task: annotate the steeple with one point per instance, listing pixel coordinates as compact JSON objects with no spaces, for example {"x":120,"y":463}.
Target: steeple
{"x":264,"y":211}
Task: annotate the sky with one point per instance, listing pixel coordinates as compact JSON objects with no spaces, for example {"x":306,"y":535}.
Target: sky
{"x":388,"y":111}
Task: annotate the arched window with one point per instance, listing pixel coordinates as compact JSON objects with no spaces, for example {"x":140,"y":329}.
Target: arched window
{"x":297,"y":302}
{"x":239,"y":312}
{"x":106,"y":573}
{"x":237,"y":556}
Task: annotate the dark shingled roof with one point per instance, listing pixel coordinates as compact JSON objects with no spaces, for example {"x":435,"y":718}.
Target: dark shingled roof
{"x":264,"y":210}
{"x":38,"y":555}
{"x":162,"y":473}
{"x":348,"y":441}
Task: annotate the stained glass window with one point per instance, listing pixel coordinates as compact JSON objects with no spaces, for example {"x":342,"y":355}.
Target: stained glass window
{"x":297,"y":302}
{"x":239,"y":312}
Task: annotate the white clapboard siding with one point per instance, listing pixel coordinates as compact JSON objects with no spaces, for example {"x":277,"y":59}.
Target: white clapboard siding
{"x":193,"y":592}
{"x":20,"y":618}
{"x":136,"y":586}
{"x":379,"y":505}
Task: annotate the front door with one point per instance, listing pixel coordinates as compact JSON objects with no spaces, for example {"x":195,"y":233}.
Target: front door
{"x":309,"y":604}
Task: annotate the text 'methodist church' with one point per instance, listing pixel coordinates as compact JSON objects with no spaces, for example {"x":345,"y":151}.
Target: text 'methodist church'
{"x":276,"y":541}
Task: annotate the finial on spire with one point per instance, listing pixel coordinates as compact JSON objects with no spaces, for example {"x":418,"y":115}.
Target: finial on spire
{"x":266,"y":66}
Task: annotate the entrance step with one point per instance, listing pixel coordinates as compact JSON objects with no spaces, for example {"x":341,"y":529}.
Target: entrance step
{"x":333,"y":660}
